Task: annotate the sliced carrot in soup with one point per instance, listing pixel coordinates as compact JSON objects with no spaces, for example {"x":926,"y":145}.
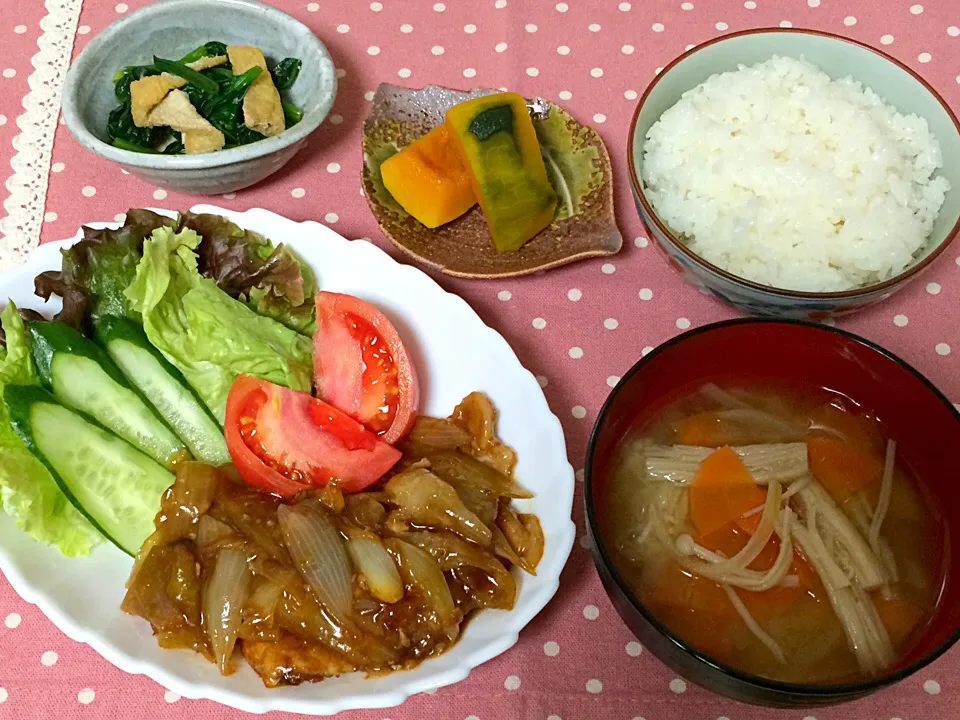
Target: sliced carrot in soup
{"x":899,"y":616}
{"x":841,"y":467}
{"x":722,"y":491}
{"x":861,"y":431}
{"x":677,"y":588}
{"x":731,"y":539}
{"x":696,"y":609}
{"x":728,"y":540}
{"x":705,"y":429}
{"x":749,"y":523}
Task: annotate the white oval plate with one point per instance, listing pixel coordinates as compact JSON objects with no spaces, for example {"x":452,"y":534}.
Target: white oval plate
{"x":455,"y":354}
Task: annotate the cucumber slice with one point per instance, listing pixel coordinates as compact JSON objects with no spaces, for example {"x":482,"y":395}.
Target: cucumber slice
{"x":83,"y":378}
{"x":113,"y":484}
{"x":161,"y":383}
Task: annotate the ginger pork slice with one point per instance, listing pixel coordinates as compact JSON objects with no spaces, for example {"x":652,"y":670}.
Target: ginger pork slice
{"x":290,"y":661}
{"x":262,"y":110}
{"x":146,"y":93}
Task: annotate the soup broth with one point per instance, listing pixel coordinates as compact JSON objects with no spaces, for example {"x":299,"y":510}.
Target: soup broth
{"x":778,"y":532}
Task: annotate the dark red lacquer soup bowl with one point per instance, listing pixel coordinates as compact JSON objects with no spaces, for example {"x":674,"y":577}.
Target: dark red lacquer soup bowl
{"x":924,"y":424}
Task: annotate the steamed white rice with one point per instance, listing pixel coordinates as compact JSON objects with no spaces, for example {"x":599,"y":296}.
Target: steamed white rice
{"x":778,"y":174}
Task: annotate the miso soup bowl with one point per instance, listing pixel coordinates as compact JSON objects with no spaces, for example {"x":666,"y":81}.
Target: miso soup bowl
{"x":923,"y":422}
{"x":839,"y":57}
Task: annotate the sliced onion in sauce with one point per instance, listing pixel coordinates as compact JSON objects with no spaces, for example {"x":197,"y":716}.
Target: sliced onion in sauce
{"x":210,"y":531}
{"x":375,"y":564}
{"x":223,"y":601}
{"x":425,"y":499}
{"x":431,"y":434}
{"x":476,"y":415}
{"x":262,"y":603}
{"x":455,"y":553}
{"x":503,"y":549}
{"x":421,"y":571}
{"x":459,"y":469}
{"x":363,"y":511}
{"x":318,"y":553}
{"x":533,"y":552}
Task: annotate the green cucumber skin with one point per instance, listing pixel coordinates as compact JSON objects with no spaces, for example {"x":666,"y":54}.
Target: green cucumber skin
{"x":20,"y":402}
{"x":50,"y":338}
{"x":117,"y":327}
{"x":130,"y":415}
{"x":192,"y":422}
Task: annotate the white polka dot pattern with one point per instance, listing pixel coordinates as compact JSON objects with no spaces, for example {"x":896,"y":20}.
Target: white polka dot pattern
{"x":579,"y":329}
{"x":49,"y":658}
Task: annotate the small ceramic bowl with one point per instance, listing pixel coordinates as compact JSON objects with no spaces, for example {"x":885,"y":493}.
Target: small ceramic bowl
{"x":799,"y":354}
{"x":171,"y":28}
{"x":838,"y":57}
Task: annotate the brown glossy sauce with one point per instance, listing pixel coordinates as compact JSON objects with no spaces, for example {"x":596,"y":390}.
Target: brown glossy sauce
{"x":285,"y":632}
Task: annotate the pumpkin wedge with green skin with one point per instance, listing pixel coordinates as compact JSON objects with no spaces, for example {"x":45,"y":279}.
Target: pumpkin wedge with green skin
{"x":578,"y":168}
{"x":499,"y":146}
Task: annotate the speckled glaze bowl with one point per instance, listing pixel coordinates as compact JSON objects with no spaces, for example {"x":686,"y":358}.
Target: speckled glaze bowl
{"x":172,"y":28}
{"x":838,"y":57}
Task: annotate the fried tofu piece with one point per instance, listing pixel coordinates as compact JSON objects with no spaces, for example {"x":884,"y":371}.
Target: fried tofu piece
{"x":207,"y":62}
{"x":178,"y":112}
{"x":262,"y":110}
{"x":146,"y":93}
{"x":202,"y":141}
{"x":204,"y":63}
{"x":291,"y":661}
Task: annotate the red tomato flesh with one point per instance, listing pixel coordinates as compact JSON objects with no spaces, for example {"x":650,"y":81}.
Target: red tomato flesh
{"x":285,"y":441}
{"x":362,"y":367}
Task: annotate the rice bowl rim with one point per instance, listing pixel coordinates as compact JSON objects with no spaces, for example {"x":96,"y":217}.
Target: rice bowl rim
{"x":864,"y":290}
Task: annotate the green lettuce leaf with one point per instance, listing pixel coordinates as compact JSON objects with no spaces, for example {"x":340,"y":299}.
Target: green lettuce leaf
{"x":248,"y":267}
{"x":302,"y":318}
{"x":95,"y":271}
{"x":27,"y":490}
{"x":208,"y":335}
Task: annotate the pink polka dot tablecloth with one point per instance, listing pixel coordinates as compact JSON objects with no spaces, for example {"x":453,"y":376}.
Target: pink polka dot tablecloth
{"x":578,"y":328}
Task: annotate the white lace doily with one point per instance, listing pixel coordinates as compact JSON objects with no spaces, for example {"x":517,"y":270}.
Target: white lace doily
{"x":20,"y":227}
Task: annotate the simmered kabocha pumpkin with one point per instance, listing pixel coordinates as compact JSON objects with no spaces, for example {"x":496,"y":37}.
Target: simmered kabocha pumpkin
{"x":429,"y":179}
{"x":498,"y":143}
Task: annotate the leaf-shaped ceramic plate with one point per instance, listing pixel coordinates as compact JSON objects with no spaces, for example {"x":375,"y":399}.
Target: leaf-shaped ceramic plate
{"x":577,"y":163}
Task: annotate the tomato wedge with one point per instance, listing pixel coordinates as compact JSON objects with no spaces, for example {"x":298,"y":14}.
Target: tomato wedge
{"x":284,"y":441}
{"x":361,"y":366}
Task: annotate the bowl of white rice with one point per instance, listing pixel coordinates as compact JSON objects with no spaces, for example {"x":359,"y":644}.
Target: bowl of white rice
{"x":796,"y":173}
